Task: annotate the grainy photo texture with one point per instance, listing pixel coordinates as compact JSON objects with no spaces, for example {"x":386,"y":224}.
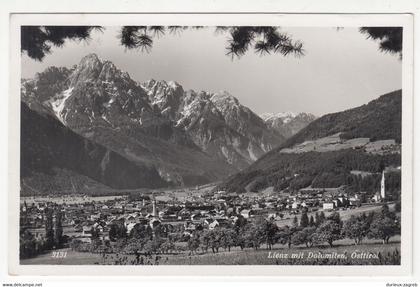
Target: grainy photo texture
{"x":210,"y":145}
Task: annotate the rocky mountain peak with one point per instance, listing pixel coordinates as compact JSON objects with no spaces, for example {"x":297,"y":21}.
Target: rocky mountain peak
{"x":88,"y":69}
{"x":165,"y":96}
{"x":93,"y":69}
{"x":108,"y":71}
{"x":144,"y":121}
{"x":287,"y":123}
{"x":97,"y":93}
{"x":281,"y":115}
{"x":224,"y":98}
{"x":322,"y":154}
{"x":161,"y":87}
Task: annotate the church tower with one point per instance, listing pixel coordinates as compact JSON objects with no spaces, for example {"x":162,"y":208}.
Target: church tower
{"x":383,"y":185}
{"x":154,"y":212}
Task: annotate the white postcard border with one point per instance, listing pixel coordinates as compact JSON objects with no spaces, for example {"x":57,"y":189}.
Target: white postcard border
{"x":212,"y":19}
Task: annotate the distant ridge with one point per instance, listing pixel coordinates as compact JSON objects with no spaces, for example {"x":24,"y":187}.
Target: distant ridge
{"x":187,"y":137}
{"x":287,"y":123}
{"x":48,"y":146}
{"x":380,"y":119}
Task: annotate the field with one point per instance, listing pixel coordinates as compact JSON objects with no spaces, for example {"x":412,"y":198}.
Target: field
{"x":69,"y":199}
{"x":285,"y":256}
{"x":280,"y":255}
{"x":344,"y":214}
{"x":334,"y":143}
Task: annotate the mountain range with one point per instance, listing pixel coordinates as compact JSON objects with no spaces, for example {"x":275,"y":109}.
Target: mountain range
{"x":331,"y":151}
{"x":54,"y":158}
{"x":287,"y":123}
{"x":134,"y":135}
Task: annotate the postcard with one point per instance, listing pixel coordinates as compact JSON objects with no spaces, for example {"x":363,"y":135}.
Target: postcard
{"x":211,"y":144}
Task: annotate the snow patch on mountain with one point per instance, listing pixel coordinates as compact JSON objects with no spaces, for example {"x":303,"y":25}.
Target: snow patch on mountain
{"x":106,"y":120}
{"x":287,"y":123}
{"x":102,"y":96}
{"x":251,"y":153}
{"x":285,"y":116}
{"x":224,"y":99}
{"x":58,"y":104}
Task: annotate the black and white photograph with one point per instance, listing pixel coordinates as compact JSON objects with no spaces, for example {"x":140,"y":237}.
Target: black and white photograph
{"x":216,"y":144}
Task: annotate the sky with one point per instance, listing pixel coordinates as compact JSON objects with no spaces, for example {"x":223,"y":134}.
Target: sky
{"x":341,"y":69}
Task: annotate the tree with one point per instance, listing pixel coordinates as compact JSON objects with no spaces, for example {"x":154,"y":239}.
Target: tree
{"x":58,"y":228}
{"x":295,"y":222}
{"x":240,"y":240}
{"x":268,"y":231}
{"x":383,"y":228}
{"x":385,"y":212}
{"x":398,"y":206}
{"x":317,"y":220}
{"x":384,"y":225}
{"x":133,"y":245}
{"x":121,"y":243}
{"x":94,"y":233}
{"x":390,"y":38}
{"x":253,"y":237}
{"x":356,"y":228}
{"x":205,"y":239}
{"x":304,"y":236}
{"x":227,"y":238}
{"x":311,"y":221}
{"x":117,"y":230}
{"x":27,"y":244}
{"x":37,"y":41}
{"x":321,"y":218}
{"x":285,"y":235}
{"x":153,"y":246}
{"x":335,"y":216}
{"x":329,"y":231}
{"x":167,"y":246}
{"x":240,"y":223}
{"x":96,"y":245}
{"x":160,"y":231}
{"x":216,"y":239}
{"x":194,"y":242}
{"x":304,"y":220}
{"x":49,"y":228}
{"x":140,"y":231}
{"x":113,"y":232}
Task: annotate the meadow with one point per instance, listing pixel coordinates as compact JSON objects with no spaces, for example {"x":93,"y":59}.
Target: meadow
{"x":388,"y":254}
{"x":344,"y":214}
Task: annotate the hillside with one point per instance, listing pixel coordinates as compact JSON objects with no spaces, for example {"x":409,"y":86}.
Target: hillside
{"x":287,"y":123}
{"x":51,"y":151}
{"x":217,"y":123}
{"x":289,"y":167}
{"x":189,"y":137}
{"x":380,"y":119}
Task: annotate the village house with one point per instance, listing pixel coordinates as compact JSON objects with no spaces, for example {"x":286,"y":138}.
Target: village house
{"x":328,"y":205}
{"x":354,"y":201}
{"x":154,"y":222}
{"x":211,"y":223}
{"x":246,"y":213}
{"x":189,"y":226}
{"x":95,"y":217}
{"x":196,"y":217}
{"x":87,"y":230}
{"x":130,"y":227}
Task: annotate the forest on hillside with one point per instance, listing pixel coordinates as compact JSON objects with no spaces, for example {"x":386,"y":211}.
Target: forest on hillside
{"x":380,"y":119}
{"x":328,"y":169}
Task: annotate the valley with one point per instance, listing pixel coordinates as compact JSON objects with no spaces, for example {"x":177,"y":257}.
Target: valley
{"x":175,"y":137}
{"x":211,"y":145}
